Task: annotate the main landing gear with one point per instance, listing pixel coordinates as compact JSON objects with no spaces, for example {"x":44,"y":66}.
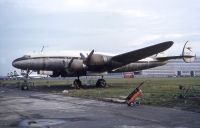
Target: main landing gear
{"x":101,"y":83}
{"x":77,"y":83}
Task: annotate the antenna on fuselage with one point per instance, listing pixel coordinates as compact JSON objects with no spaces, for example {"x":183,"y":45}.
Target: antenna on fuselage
{"x":42,"y":49}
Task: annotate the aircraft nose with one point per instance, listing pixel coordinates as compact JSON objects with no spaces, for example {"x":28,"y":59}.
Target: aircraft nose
{"x":15,"y":64}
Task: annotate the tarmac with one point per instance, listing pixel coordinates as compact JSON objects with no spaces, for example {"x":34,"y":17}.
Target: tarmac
{"x":33,"y":109}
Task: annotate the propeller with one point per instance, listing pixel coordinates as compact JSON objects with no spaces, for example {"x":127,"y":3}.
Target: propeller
{"x":86,"y":60}
{"x":69,"y":64}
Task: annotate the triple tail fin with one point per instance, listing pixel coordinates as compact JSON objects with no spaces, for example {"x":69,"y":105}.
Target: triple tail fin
{"x":187,"y":55}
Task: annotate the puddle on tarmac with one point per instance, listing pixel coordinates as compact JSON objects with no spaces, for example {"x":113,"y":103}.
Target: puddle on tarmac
{"x":40,"y":123}
{"x":46,"y":123}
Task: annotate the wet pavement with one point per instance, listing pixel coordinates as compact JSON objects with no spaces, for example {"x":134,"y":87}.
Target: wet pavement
{"x":33,"y":109}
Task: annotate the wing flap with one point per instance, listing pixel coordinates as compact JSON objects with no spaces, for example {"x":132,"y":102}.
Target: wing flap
{"x":139,"y":54}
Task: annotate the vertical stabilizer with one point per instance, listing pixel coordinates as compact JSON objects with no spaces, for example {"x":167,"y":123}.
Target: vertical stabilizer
{"x":187,"y":53}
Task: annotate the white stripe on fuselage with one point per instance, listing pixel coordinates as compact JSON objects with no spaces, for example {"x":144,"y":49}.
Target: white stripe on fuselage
{"x":67,"y":54}
{"x":77,"y":54}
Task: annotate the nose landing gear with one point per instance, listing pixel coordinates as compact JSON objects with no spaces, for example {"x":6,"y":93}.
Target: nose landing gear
{"x":25,"y":84}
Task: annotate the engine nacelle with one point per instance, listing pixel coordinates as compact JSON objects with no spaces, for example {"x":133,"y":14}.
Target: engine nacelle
{"x":98,"y":60}
{"x":76,"y":65}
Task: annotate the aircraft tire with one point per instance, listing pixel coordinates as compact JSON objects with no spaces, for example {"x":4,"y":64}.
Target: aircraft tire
{"x":24,"y":87}
{"x":77,"y":83}
{"x":101,"y":83}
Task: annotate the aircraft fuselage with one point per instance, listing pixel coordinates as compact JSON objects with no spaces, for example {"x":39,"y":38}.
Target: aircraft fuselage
{"x":60,"y":66}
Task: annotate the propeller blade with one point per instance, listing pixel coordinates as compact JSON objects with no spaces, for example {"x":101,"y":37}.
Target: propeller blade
{"x":82,"y":56}
{"x":89,"y":56}
{"x":87,"y":59}
{"x":70,"y":63}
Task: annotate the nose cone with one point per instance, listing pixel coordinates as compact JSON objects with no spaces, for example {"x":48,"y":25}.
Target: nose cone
{"x":21,"y":63}
{"x":16,"y":64}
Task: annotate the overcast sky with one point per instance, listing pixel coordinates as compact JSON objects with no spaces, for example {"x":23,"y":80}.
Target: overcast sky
{"x":114,"y":26}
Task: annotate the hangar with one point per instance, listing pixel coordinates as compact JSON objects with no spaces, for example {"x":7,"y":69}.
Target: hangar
{"x":175,"y":68}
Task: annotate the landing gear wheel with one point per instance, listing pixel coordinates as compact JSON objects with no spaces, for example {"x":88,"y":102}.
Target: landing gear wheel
{"x":24,"y":87}
{"x":77,"y":83}
{"x":101,"y":83}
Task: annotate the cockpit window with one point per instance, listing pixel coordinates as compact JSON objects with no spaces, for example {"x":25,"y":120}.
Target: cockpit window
{"x":26,"y":56}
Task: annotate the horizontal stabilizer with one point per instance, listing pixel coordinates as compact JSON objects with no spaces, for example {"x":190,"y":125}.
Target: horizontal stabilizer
{"x":187,"y":55}
{"x":136,"y":55}
{"x":173,"y":57}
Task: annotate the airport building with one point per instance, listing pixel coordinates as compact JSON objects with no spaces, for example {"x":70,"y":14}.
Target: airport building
{"x":174,"y":68}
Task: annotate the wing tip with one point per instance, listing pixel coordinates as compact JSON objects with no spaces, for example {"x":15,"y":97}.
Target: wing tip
{"x":170,"y":43}
{"x":167,"y":44}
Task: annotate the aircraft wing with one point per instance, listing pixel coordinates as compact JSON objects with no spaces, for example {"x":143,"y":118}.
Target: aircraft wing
{"x":136,"y":55}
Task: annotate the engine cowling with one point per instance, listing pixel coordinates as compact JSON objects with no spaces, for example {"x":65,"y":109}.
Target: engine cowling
{"x":77,"y":65}
{"x":97,"y":60}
